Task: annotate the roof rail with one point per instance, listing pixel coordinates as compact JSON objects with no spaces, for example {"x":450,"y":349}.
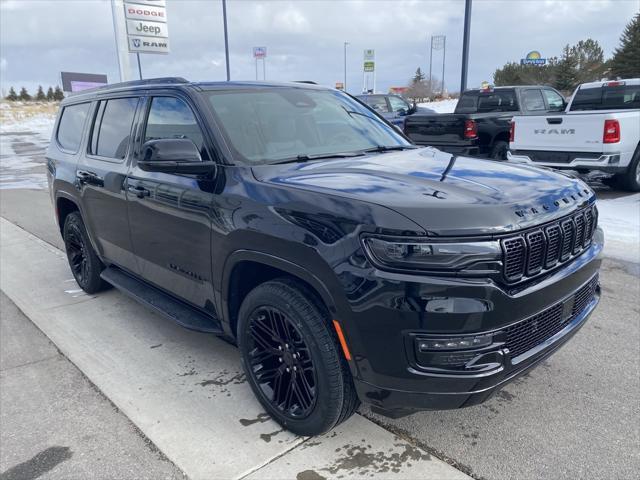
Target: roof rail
{"x":135,"y":83}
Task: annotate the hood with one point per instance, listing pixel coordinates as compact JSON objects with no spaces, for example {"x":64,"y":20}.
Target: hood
{"x":443,"y":193}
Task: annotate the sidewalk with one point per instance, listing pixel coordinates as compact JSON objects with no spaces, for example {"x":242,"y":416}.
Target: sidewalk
{"x":185,"y":390}
{"x":53,"y":422}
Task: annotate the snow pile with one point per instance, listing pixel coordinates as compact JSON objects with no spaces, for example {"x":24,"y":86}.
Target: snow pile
{"x":441,"y":106}
{"x":25,"y":131}
{"x":620,"y":220}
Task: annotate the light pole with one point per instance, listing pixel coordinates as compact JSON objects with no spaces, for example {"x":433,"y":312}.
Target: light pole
{"x":345,"y":66}
{"x":226,"y":37}
{"x":465,"y":45}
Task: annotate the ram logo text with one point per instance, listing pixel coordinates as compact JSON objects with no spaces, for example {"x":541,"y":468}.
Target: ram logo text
{"x":554,"y":131}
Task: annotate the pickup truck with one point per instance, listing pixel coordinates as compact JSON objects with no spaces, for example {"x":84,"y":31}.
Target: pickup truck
{"x":480,"y":123}
{"x":393,"y":108}
{"x":600,"y":130}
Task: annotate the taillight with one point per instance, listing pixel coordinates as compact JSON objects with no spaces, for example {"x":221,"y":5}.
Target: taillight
{"x":470,"y":129}
{"x":611,"y":131}
{"x":512,"y":131}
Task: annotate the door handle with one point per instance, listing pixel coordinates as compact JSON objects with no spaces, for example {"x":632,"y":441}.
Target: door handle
{"x":138,"y":191}
{"x":554,"y":121}
{"x":84,"y":176}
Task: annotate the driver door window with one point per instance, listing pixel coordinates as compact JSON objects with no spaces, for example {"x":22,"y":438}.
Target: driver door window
{"x":554,"y":100}
{"x":397,"y":104}
{"x":171,"y":117}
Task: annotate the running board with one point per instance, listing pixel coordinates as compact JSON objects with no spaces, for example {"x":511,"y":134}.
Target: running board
{"x":181,"y":313}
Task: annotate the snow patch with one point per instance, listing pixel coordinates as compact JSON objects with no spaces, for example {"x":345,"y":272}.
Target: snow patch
{"x":620,"y":220}
{"x":441,"y":106}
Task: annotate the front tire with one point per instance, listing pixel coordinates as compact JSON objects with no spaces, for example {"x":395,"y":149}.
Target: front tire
{"x":83,"y":261}
{"x":292,"y":360}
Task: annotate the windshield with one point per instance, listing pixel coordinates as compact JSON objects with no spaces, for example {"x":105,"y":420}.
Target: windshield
{"x":275,"y":124}
{"x":618,"y":97}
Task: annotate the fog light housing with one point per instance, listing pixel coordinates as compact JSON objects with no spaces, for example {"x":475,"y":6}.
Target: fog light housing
{"x":453,"y":343}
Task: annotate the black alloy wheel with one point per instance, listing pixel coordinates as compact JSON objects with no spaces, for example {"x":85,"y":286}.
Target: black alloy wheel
{"x":281,"y":362}
{"x":83,"y":261}
{"x":292,"y":358}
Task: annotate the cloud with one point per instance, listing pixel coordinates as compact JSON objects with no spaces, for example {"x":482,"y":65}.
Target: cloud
{"x":304,"y":38}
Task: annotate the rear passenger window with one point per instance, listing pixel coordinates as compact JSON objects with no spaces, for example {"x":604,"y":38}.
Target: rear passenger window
{"x":112,"y":128}
{"x":532,"y":100}
{"x":171,"y":117}
{"x":71,"y":125}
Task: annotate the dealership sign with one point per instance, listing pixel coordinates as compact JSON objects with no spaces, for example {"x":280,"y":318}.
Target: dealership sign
{"x":259,"y":52}
{"x":147,"y":30}
{"x":369,"y":60}
{"x":533,"y":58}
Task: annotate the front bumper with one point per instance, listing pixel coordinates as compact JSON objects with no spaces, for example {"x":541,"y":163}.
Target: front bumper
{"x":609,"y":162}
{"x":394,"y":380}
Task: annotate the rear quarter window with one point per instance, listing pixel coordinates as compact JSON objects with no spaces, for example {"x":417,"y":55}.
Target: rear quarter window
{"x":619,"y":97}
{"x":71,"y":125}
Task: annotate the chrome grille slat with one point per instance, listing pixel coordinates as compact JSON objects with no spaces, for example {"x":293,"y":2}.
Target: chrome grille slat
{"x":529,"y":253}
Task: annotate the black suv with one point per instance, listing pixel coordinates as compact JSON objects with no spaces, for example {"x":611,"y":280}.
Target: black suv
{"x":348,"y":264}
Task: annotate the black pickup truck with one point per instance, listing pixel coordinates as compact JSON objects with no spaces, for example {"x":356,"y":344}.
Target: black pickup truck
{"x":481,"y":122}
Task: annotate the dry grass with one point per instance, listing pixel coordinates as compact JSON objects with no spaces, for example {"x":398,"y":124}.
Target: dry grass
{"x":12,"y":112}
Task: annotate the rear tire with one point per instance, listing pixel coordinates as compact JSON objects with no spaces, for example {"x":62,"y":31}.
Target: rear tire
{"x":292,"y":359}
{"x":630,"y":180}
{"x":499,"y":150}
{"x":83,"y":261}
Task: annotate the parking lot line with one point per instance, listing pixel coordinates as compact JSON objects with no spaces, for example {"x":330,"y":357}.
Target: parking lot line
{"x":185,"y":390}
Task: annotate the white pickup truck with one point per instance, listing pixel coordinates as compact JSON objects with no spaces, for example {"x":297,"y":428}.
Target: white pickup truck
{"x":599,"y":130}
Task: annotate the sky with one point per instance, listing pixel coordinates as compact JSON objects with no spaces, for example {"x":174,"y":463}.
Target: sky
{"x":304,"y":38}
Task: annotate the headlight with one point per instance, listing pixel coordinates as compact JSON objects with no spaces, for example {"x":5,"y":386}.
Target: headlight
{"x":440,"y":256}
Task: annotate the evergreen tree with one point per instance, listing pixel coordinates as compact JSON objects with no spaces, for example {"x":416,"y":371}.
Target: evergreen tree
{"x":12,"y":95}
{"x":57,"y":94}
{"x":566,"y":71}
{"x":589,"y":58}
{"x":40,"y":96}
{"x":50,"y":94}
{"x":626,"y":58}
{"x":24,"y":95}
{"x":419,"y":76}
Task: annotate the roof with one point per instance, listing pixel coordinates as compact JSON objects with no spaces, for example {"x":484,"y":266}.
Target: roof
{"x":182,"y":82}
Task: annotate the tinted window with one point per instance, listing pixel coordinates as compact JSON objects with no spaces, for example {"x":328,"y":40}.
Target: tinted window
{"x":532,"y":100}
{"x":607,"y":98}
{"x":554,"y":99}
{"x":379,"y":104}
{"x":467,"y":104}
{"x":398,"y":104}
{"x":287,"y":124}
{"x":71,"y":125}
{"x":112,"y":127}
{"x":498,"y":101}
{"x":171,"y":117}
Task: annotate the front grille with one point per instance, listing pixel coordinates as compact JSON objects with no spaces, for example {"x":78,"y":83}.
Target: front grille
{"x":530,"y":333}
{"x":530,"y":253}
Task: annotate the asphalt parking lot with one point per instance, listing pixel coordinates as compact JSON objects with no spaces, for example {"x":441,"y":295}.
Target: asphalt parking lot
{"x":576,"y":416}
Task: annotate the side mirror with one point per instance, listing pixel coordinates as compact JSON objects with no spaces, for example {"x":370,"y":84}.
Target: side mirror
{"x":173,"y":155}
{"x":413,"y":109}
{"x":402,"y":112}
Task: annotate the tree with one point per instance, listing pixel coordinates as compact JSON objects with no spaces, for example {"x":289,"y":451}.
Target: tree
{"x":419,"y":76}
{"x":40,"y":96}
{"x":24,"y":95}
{"x":626,"y":58}
{"x":57,"y":94}
{"x":589,"y":58}
{"x":12,"y":95}
{"x":50,"y":94}
{"x":567,"y":70}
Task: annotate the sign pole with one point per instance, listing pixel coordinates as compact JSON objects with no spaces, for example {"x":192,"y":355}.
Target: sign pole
{"x":345,"y":66}
{"x":139,"y":65}
{"x":119,"y":31}
{"x":444,"y":54}
{"x":430,"y":64}
{"x":226,"y":37}
{"x":465,"y":45}
{"x":264,"y":68}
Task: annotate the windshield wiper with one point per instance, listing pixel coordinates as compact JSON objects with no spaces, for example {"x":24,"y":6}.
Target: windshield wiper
{"x":307,"y":158}
{"x":389,"y":148}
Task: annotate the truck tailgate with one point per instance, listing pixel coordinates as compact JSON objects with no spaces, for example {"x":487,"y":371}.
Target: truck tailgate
{"x":560,"y":132}
{"x":442,"y":129}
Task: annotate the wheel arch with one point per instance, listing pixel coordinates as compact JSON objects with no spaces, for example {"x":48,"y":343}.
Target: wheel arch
{"x":262,"y":267}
